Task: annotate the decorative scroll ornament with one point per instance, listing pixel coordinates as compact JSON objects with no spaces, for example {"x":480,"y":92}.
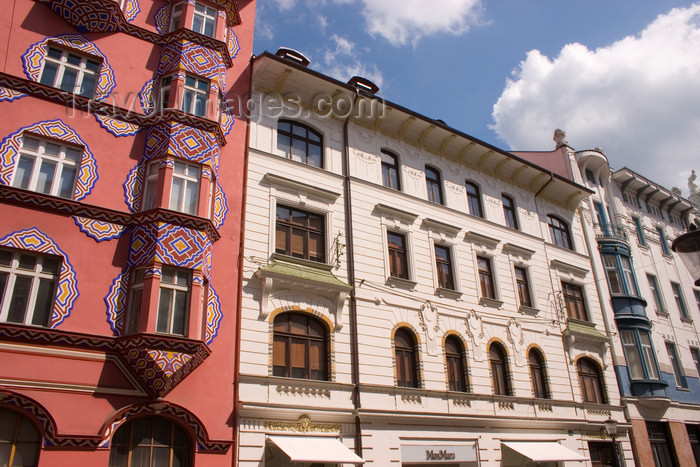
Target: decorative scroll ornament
{"x":303,"y":425}
{"x":429,"y":323}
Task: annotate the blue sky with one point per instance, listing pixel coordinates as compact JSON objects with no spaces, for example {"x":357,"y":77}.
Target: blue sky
{"x":623,"y":75}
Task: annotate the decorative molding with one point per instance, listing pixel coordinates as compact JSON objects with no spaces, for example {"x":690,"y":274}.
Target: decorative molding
{"x":303,"y":425}
{"x":568,"y":268}
{"x":328,"y":196}
{"x":483,"y":240}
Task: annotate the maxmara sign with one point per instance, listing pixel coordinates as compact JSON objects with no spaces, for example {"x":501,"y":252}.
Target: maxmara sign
{"x":426,"y":453}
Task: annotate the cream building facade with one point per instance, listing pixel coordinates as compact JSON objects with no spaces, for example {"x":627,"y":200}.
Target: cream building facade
{"x":412,"y":296}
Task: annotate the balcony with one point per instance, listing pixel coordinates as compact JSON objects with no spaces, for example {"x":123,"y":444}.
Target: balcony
{"x":611,"y":232}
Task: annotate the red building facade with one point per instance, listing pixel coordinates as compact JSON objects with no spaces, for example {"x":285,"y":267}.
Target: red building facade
{"x":121,"y":185}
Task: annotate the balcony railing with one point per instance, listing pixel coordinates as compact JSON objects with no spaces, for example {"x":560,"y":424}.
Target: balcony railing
{"x":611,"y":232}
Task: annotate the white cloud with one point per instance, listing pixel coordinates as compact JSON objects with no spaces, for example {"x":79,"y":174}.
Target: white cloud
{"x":285,"y":4}
{"x":342,"y":61}
{"x":638,"y":98}
{"x":407,"y":21}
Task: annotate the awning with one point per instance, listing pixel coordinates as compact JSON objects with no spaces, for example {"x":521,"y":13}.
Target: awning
{"x":315,"y":449}
{"x":544,"y":451}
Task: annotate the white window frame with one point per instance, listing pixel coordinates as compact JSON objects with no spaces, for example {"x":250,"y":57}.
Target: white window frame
{"x":150,"y":186}
{"x":195,"y":93}
{"x":208,"y":13}
{"x":12,"y":270}
{"x":175,"y":15}
{"x":62,"y":65}
{"x":400,"y":222}
{"x":135,"y":297}
{"x":39,"y":157}
{"x":174,"y":289}
{"x":188,"y":180}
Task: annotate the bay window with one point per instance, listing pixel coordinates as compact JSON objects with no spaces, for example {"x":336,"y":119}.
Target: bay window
{"x":47,"y":167}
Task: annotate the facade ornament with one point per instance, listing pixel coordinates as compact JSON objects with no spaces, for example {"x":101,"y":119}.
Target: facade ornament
{"x":303,"y":425}
{"x":560,"y":138}
{"x":475,"y":331}
{"x":692,"y":187}
{"x":515,"y":336}
{"x":429,"y":323}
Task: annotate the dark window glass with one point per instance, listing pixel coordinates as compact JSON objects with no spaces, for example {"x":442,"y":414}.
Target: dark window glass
{"x":150,"y":442}
{"x":559,"y":231}
{"x":406,"y":359}
{"x":523,"y":285}
{"x":398,"y":264}
{"x":661,"y":444}
{"x":680,"y":302}
{"x":664,"y":242}
{"x":20,"y":441}
{"x":656,"y":292}
{"x":390,"y":170}
{"x":499,"y":370}
{"x":433,"y":184}
{"x":300,"y":234}
{"x":640,"y":231}
{"x":574,"y":302}
{"x":591,"y":381}
{"x":509,"y":212}
{"x":678,"y":374}
{"x":485,"y":277}
{"x":300,"y":143}
{"x":443,"y":265}
{"x":299,"y":347}
{"x":694,"y":438}
{"x":456,"y":369}
{"x":474,"y":200}
{"x":538,"y":375}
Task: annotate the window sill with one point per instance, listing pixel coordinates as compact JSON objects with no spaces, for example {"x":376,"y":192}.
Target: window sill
{"x":663,"y":313}
{"x":528,"y":310}
{"x":401,"y":283}
{"x":682,"y":388}
{"x":449,"y":293}
{"x":301,"y":261}
{"x":685,"y":320}
{"x":490,"y":302}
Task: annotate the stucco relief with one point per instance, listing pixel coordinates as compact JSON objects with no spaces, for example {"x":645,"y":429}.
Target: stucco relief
{"x":517,"y":340}
{"x":429,"y":322}
{"x":456,"y":196}
{"x":475,"y":331}
{"x":414,"y":181}
{"x":367,"y":166}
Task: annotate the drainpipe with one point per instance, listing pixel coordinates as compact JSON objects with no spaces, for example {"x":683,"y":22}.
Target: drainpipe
{"x":239,"y":292}
{"x":354,"y":350}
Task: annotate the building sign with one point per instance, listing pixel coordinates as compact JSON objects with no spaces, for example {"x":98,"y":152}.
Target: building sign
{"x":428,"y":453}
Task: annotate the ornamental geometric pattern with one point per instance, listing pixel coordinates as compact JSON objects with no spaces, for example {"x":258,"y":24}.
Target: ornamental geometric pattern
{"x":10,"y":148}
{"x":147,"y":97}
{"x":170,"y":244}
{"x":7,"y":94}
{"x":214,"y":316}
{"x":99,"y":230}
{"x":227,"y":120}
{"x":232,"y":43}
{"x":33,"y":60}
{"x":116,"y":303}
{"x":47,"y":423}
{"x":66,"y":290}
{"x":131,"y":9}
{"x":184,"y":142}
{"x":117,"y":127}
{"x":162,"y":19}
{"x":220,"y":206}
{"x":193,"y":58}
{"x":132,"y":188}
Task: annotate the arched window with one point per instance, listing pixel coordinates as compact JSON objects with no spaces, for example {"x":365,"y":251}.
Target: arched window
{"x":538,"y":374}
{"x":390,"y":170}
{"x":433,"y":184}
{"x":509,"y":212}
{"x":456,"y":369}
{"x":499,"y":370}
{"x":300,"y":143}
{"x":559,"y":231}
{"x":20,"y":441}
{"x":591,"y":381}
{"x":474,"y":200}
{"x":406,"y":359}
{"x":151,"y":442}
{"x":300,"y":347}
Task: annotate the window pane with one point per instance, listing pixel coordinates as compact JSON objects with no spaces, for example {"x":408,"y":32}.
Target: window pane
{"x":191,"y":197}
{"x":180,"y":313}
{"x":634,"y":362}
{"x":20,"y":299}
{"x":66,"y":183}
{"x":46,"y":174}
{"x":44,"y":302}
{"x":164,"y":307}
{"x":298,"y":359}
{"x":176,"y":194}
{"x":70,"y":76}
{"x":197,"y":22}
{"x":48,"y":75}
{"x":23,"y":173}
{"x":87,"y":87}
{"x":209,"y":28}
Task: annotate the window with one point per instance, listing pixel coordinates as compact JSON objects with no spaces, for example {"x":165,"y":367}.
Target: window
{"x":661,"y":444}
{"x":680,"y":301}
{"x":641,"y":360}
{"x":175,"y":16}
{"x":299,"y":347}
{"x":591,"y":381}
{"x":398,"y":262}
{"x":664,"y":243}
{"x":195,"y":95}
{"x":676,"y":365}
{"x":135,"y":297}
{"x":631,"y":199}
{"x":433,"y":184}
{"x":640,"y":231}
{"x":474,"y":200}
{"x":20,"y":441}
{"x":537,"y":374}
{"x":300,"y":234}
{"x":499,"y":370}
{"x":443,"y":266}
{"x":70,"y":72}
{"x":601,"y":218}
{"x":559,"y":231}
{"x":204,"y":19}
{"x":656,"y":292}
{"x":174,"y":299}
{"x":47,"y":167}
{"x":509,"y":212}
{"x":390,"y":170}
{"x":590,"y":177}
{"x":184,"y":191}
{"x":300,"y":143}
{"x":454,"y":357}
{"x":694,"y":438}
{"x":574,"y":302}
{"x":695,"y":353}
{"x":485,"y":277}
{"x":620,"y":275}
{"x":150,"y":442}
{"x":150,"y":189}
{"x":406,"y":359}
{"x":523,"y":286}
{"x":697,"y":298}
{"x":27,"y":287}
